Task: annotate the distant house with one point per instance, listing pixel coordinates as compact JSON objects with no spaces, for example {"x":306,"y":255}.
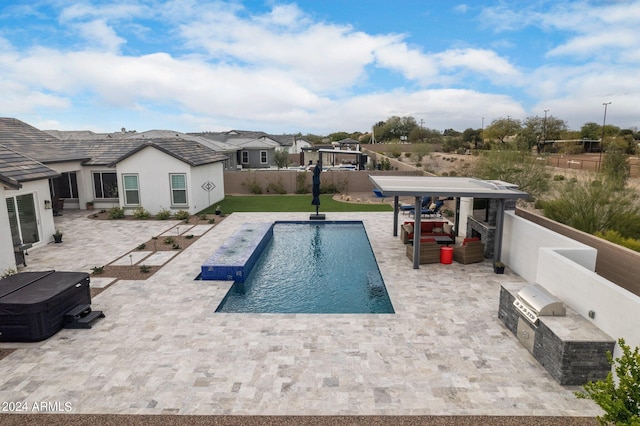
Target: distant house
{"x":96,"y":168}
{"x":26,"y":209}
{"x":256,"y":148}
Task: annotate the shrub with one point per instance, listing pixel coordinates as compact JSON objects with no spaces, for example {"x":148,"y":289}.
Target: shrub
{"x":8,"y":272}
{"x":168,"y":240}
{"x":188,"y":237}
{"x":116,"y":213}
{"x":616,"y":238}
{"x":163,"y":214}
{"x":141,"y":213}
{"x":407,"y":154}
{"x":276,"y":187}
{"x":145,"y":269}
{"x":557,"y":178}
{"x":253,"y":186}
{"x":182,"y":215}
{"x":175,"y":246}
{"x":302,"y":187}
{"x":97,"y":270}
{"x":142,"y":246}
{"x":619,"y":397}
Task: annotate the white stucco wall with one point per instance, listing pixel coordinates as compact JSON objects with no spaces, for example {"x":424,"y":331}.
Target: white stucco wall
{"x":85,"y":188}
{"x":522,"y":240}
{"x":7,"y":259}
{"x":616,"y":309}
{"x":566,"y":268}
{"x":40,"y":191}
{"x":153,"y":168}
{"x":213,"y":173}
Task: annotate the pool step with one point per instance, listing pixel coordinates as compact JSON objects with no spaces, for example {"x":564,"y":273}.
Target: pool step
{"x":376,"y":285}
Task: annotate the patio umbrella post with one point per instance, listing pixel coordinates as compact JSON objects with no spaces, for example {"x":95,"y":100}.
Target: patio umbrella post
{"x":315,"y":190}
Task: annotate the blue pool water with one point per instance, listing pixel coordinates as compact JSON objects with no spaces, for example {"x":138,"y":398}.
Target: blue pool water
{"x":312,"y":267}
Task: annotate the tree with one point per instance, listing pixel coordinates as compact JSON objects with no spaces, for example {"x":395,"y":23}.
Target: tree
{"x":338,"y":136}
{"x":501,"y":128}
{"x":619,"y":397}
{"x":513,"y":167}
{"x":472,"y":137}
{"x":536,"y":130}
{"x":281,"y":158}
{"x":394,"y":128}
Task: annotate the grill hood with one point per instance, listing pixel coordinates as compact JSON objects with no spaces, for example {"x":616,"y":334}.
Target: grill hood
{"x":541,"y":301}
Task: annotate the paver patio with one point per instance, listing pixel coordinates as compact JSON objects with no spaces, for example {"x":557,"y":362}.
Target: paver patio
{"x":163,"y":349}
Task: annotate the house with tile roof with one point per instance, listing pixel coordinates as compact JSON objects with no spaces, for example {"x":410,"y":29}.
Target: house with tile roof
{"x":256,"y":149}
{"x":153,"y":170}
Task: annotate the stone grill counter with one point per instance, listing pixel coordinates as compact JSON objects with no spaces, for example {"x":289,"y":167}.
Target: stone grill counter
{"x":571,"y":348}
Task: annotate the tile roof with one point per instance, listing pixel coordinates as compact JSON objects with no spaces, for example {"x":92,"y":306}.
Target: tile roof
{"x":34,"y":143}
{"x":105,"y":149}
{"x":191,"y":152}
{"x":15,"y":167}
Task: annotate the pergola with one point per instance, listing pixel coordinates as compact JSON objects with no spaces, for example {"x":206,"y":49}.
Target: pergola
{"x":421,"y":186}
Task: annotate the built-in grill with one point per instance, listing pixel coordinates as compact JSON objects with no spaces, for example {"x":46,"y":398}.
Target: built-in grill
{"x":534,"y":301}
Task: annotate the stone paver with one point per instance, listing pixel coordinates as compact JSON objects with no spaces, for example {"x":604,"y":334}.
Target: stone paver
{"x":177,"y":230}
{"x":199,"y":230}
{"x":159,"y":258}
{"x":163,"y":349}
{"x":100,"y":282}
{"x":132,"y":258}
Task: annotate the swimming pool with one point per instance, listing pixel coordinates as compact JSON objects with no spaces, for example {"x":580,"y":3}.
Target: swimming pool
{"x":312,"y":267}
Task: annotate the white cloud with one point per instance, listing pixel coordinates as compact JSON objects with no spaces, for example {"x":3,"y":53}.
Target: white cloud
{"x":100,"y":35}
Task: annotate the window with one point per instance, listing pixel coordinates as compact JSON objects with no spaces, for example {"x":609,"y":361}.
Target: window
{"x":131,"y":190}
{"x":178,"y":189}
{"x":245,"y":157}
{"x":263,"y":157}
{"x":65,"y":186}
{"x":105,"y":185}
{"x":23,"y":219}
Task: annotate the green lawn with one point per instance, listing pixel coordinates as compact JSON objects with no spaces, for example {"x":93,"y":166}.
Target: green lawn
{"x":291,"y":203}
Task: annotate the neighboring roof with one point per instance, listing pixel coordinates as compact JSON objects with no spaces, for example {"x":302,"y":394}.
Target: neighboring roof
{"x":34,"y":143}
{"x":348,"y":141}
{"x":190,"y":152}
{"x":420,"y":186}
{"x":260,"y":143}
{"x":105,"y":149}
{"x":237,"y":137}
{"x":17,"y":168}
{"x":171,"y":134}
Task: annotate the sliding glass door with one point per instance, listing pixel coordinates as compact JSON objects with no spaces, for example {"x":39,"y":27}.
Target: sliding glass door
{"x":23,"y":219}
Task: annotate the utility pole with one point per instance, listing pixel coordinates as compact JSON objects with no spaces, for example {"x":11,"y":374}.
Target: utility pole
{"x":604,"y":121}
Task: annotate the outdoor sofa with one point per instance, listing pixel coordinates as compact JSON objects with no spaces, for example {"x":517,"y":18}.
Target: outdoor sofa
{"x":427,"y":229}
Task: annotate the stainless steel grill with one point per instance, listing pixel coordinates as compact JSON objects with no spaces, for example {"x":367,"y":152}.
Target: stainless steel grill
{"x":534,"y":301}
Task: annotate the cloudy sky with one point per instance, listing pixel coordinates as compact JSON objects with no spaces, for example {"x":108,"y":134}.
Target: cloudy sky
{"x":316,"y":66}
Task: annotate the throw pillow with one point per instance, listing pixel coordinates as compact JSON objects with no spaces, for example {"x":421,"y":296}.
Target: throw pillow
{"x":447,"y":228}
{"x":437,"y":230}
{"x":408,"y":228}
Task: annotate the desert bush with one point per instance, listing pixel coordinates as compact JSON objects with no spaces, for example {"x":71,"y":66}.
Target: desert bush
{"x":145,"y":269}
{"x":252,"y":185}
{"x":302,"y":187}
{"x":116,"y":213}
{"x":97,"y":270}
{"x":168,"y":240}
{"x":276,"y":187}
{"x":619,"y":396}
{"x":163,"y":214}
{"x":142,"y":246}
{"x":141,"y":213}
{"x":617,"y":238}
{"x":182,"y":215}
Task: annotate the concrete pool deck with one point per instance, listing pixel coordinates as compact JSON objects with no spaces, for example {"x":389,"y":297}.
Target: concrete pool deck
{"x":163,"y":350}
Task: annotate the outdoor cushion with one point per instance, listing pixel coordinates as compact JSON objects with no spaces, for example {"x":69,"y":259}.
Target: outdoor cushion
{"x":447,"y":228}
{"x":408,"y":228}
{"x":468,"y":240}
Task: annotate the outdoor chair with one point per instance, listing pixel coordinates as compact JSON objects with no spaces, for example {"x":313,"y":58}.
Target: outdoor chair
{"x":429,"y":251}
{"x":471,"y":251}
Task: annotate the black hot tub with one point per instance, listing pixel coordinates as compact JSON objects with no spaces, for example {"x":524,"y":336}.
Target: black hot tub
{"x":33,"y":304}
